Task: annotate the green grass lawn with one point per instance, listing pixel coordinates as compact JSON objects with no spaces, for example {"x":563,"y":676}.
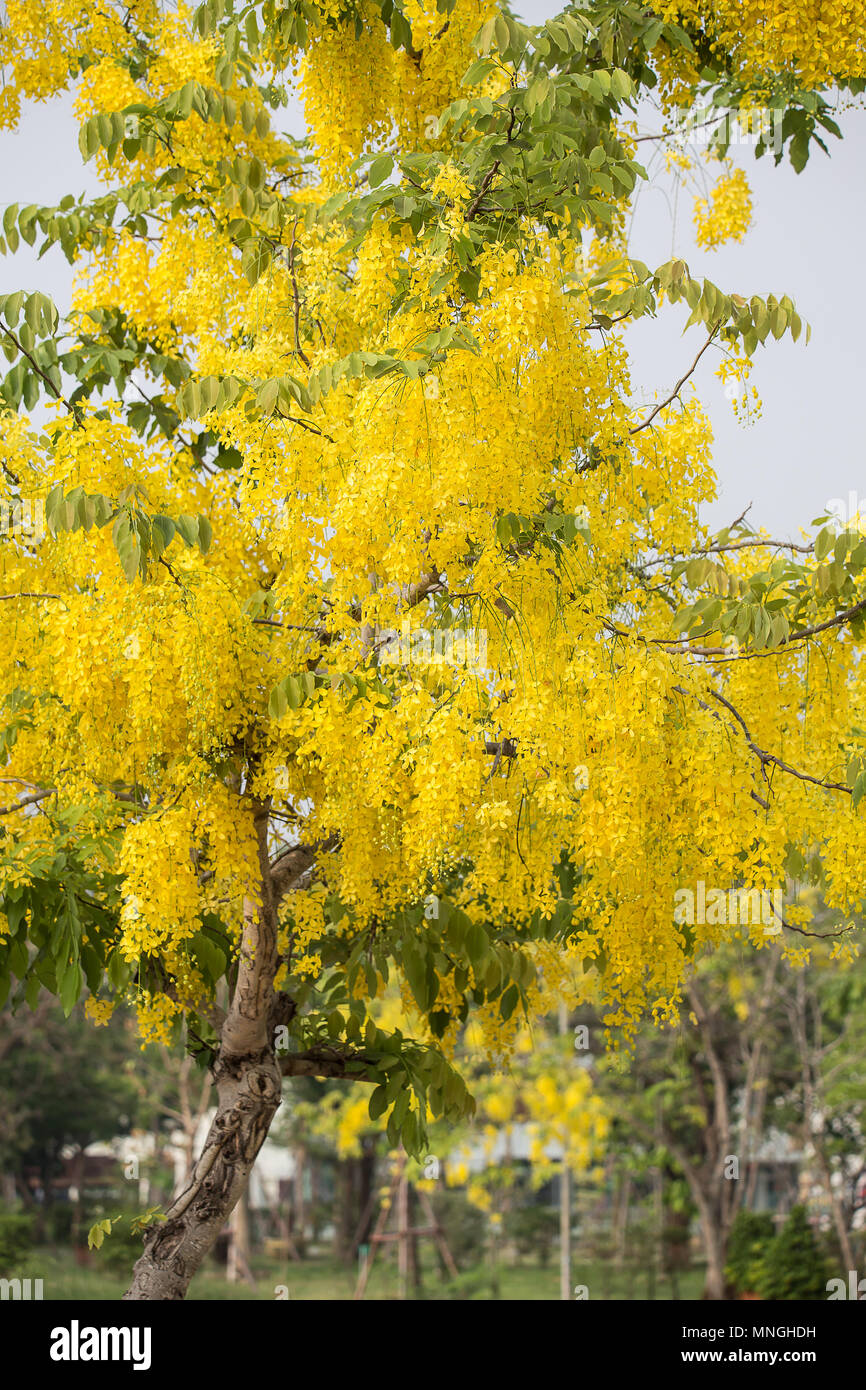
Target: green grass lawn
{"x":322,"y":1279}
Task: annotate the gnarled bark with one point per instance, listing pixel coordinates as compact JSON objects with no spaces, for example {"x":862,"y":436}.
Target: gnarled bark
{"x":248,"y":1089}
{"x":248,"y":1076}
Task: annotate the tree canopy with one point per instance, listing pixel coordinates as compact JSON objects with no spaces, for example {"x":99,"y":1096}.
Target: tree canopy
{"x":357,"y":624}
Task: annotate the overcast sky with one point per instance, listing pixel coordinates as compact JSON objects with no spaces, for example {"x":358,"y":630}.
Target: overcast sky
{"x":808,"y":445}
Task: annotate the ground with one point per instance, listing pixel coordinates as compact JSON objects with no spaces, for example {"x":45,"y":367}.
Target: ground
{"x":320,"y":1278}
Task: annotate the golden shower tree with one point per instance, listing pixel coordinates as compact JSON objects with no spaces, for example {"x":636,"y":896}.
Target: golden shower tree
{"x":356,"y":624}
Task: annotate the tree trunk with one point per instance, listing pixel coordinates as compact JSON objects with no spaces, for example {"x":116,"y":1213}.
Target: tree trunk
{"x":344,"y":1197}
{"x":711,"y":1204}
{"x":714,"y":1238}
{"x":565,"y":1231}
{"x":248,"y":1091}
{"x":564,"y":1201}
{"x":416,"y":1272}
{"x":366,"y":1178}
{"x":714,"y":1246}
{"x":248,"y":1083}
{"x":813,"y":1114}
{"x":299,"y":1204}
{"x":620,"y":1219}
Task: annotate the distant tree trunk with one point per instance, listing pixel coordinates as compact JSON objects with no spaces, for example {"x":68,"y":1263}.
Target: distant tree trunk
{"x":416,"y":1272}
{"x":299,"y":1206}
{"x":238,"y":1261}
{"x":78,"y":1244}
{"x":344,"y":1217}
{"x":366,"y":1179}
{"x":564,"y":1201}
{"x":813,"y":1112}
{"x":402,"y":1235}
{"x":620,"y":1218}
{"x":314,"y":1197}
{"x":564,"y":1231}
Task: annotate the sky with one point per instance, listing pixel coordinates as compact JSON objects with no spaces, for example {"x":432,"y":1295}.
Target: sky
{"x":807,"y":446}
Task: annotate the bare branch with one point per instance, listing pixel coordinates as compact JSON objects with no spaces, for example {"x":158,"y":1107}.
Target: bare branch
{"x":288,"y":869}
{"x":26,"y":801}
{"x":4,"y":598}
{"x":765,"y":759}
{"x":73,"y":410}
{"x":676,"y":391}
{"x":297,"y":304}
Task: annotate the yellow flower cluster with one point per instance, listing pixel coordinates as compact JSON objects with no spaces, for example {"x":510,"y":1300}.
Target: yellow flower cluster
{"x":155,"y":1014}
{"x":42,"y":45}
{"x":728,"y":214}
{"x":99,"y":1011}
{"x":303,"y":920}
{"x":815,"y":41}
{"x":357,"y":88}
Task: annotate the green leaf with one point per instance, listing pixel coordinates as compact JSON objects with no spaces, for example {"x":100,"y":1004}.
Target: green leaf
{"x":33,"y":312}
{"x":509,"y":1001}
{"x":70,"y":989}
{"x":162,"y":530}
{"x":127,"y":546}
{"x":12,"y":307}
{"x":379,"y":170}
{"x":378,"y":1103}
{"x":266,"y":398}
{"x":205,"y":534}
{"x":294,"y":694}
{"x":99,"y":1230}
{"x":477,"y":945}
{"x":211,"y":960}
{"x":415,"y":969}
{"x":277,"y":703}
{"x":188,"y":528}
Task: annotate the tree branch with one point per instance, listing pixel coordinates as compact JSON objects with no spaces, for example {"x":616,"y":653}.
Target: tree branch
{"x":26,"y":801}
{"x":73,"y":410}
{"x":680,"y":384}
{"x":297,"y":304}
{"x":325,"y":1063}
{"x":766,"y":759}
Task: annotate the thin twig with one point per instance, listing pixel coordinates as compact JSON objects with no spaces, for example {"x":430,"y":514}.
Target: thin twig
{"x":293,"y":420}
{"x":680,"y":384}
{"x":766,"y":759}
{"x":300,"y":351}
{"x":4,"y":598}
{"x":73,"y":410}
